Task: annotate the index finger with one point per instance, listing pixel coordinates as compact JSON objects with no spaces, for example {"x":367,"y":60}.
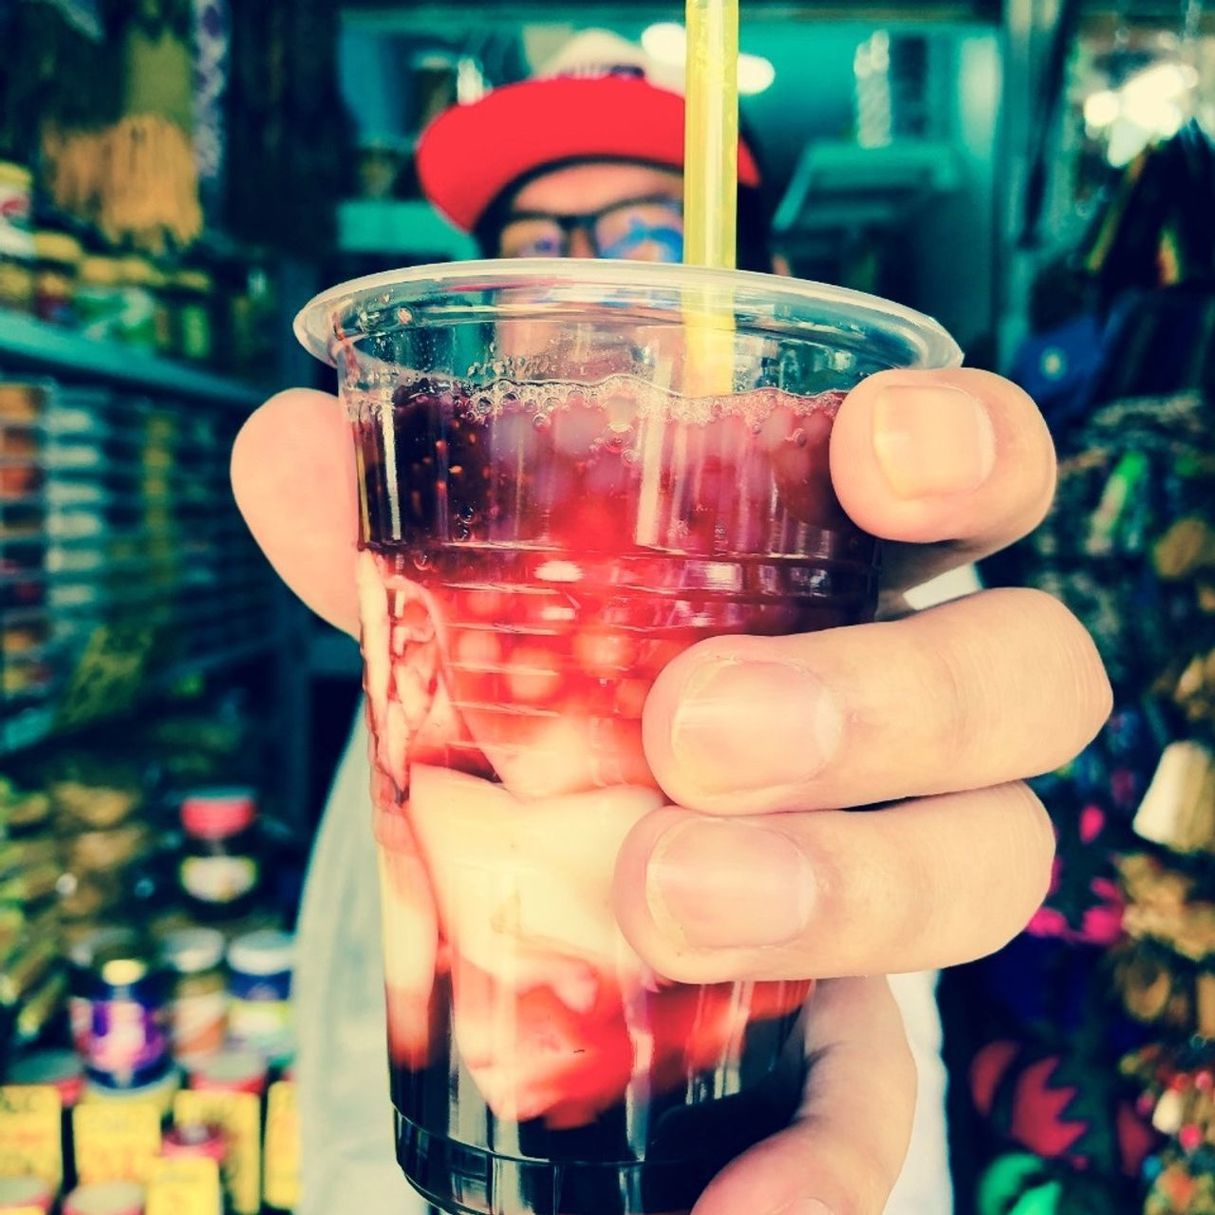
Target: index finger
{"x":951,"y":465}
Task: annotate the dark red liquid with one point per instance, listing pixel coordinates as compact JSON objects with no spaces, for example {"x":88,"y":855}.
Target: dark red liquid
{"x":533,"y":557}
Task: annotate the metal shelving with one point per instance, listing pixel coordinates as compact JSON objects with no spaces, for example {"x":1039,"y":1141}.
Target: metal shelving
{"x":27,"y":344}
{"x":124,"y":566}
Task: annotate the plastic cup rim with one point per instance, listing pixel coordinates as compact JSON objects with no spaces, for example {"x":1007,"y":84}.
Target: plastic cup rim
{"x":933,"y":346}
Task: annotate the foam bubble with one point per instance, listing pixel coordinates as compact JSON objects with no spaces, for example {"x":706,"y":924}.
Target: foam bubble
{"x":627,"y":401}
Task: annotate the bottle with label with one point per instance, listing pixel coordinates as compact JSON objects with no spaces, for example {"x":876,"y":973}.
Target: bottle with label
{"x":16,"y":241}
{"x":259,"y":1012}
{"x":233,"y":1070}
{"x":58,"y":267}
{"x":221,"y":870}
{"x":198,"y":1008}
{"x":81,"y":955}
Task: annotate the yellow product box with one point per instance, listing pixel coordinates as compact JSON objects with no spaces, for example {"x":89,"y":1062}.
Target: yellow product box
{"x":116,"y":1142}
{"x":184,"y":1186}
{"x":31,"y":1135}
{"x":282,"y":1166}
{"x":239,"y":1114}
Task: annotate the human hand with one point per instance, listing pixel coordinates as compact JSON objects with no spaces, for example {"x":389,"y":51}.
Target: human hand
{"x":758,"y":873}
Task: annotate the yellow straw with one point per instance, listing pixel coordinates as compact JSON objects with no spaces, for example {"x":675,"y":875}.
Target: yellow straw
{"x":710,"y":188}
{"x":711,"y":134}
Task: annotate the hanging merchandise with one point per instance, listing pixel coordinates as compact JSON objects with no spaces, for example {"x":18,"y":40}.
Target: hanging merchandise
{"x":1155,"y":229}
{"x":1096,"y":1086}
{"x":1130,"y":314}
{"x":17,"y":252}
{"x":136,"y":179}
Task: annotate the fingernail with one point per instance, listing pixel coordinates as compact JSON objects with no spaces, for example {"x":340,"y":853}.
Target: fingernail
{"x":804,"y":1206}
{"x":723,"y":883}
{"x":930,"y":442}
{"x":747,"y":725}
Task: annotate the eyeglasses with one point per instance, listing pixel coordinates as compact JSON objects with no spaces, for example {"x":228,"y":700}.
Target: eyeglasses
{"x":646,"y":229}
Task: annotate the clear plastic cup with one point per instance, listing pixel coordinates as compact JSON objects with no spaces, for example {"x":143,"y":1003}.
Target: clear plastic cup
{"x":552,"y":507}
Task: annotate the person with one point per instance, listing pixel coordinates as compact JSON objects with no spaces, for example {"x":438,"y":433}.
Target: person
{"x":755,"y":871}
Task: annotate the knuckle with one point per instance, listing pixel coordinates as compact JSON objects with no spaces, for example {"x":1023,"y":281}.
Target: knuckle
{"x":1036,"y":850}
{"x":940,"y":703}
{"x":1057,"y":652}
{"x":1021,"y":879}
{"x":952,"y":705}
{"x":1081,"y":674}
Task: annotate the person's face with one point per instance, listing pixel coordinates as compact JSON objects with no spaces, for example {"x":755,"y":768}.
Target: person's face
{"x":597,"y":210}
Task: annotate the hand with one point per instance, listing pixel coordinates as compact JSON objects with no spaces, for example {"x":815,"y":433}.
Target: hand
{"x":759,"y":873}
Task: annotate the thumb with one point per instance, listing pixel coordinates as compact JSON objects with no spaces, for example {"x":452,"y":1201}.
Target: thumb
{"x":845,"y":1152}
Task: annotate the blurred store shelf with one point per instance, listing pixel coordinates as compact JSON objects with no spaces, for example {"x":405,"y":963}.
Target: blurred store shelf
{"x":29,"y":344}
{"x":126,"y":571}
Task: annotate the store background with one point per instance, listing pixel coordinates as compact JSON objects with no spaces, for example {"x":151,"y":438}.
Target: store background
{"x":177,"y":176}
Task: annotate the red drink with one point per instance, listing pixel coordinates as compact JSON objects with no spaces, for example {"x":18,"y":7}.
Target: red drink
{"x":543,"y":576}
{"x":553,"y":506}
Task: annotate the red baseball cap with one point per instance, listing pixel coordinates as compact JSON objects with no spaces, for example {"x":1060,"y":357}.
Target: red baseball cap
{"x":600,"y":98}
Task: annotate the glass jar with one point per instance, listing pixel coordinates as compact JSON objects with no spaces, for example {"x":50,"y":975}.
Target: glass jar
{"x":234,"y":1070}
{"x":198,"y":1003}
{"x":81,"y":955}
{"x":220,"y":872}
{"x":259,"y":1011}
{"x":58,"y":268}
{"x":128,"y":1043}
{"x":16,"y":243}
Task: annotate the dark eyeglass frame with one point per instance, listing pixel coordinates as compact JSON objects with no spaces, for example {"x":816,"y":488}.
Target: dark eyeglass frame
{"x":587,"y":221}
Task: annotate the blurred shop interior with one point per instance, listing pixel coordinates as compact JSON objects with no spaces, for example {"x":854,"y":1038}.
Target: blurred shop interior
{"x":177,"y":177}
